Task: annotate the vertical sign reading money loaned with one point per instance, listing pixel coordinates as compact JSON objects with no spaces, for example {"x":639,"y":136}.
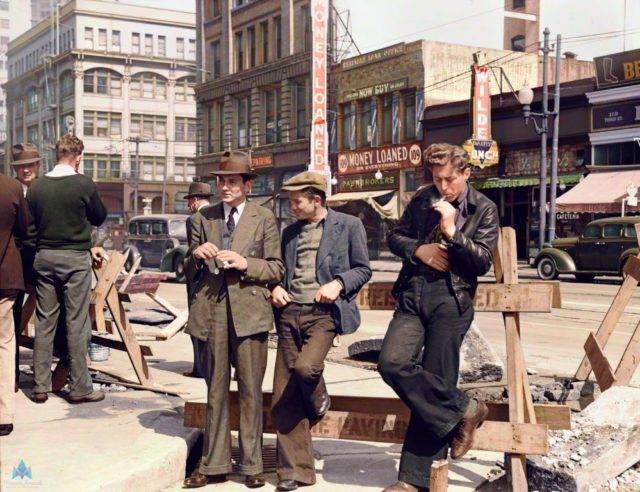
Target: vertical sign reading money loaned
{"x":319,"y":161}
{"x":483,"y":150}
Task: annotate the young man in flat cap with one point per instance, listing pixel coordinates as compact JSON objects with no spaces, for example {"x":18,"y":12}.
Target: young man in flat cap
{"x":445,"y":237}
{"x":236,"y":246}
{"x":326,"y":265}
{"x":197,"y":198}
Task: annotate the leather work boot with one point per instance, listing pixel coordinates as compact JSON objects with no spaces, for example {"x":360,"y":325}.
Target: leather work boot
{"x":320,"y":403}
{"x":254,"y":481}
{"x":90,"y":398}
{"x":401,"y":486}
{"x":475,"y":414}
{"x":197,"y":480}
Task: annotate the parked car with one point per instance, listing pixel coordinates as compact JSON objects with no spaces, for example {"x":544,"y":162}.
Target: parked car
{"x":602,"y":249}
{"x":160,"y":240}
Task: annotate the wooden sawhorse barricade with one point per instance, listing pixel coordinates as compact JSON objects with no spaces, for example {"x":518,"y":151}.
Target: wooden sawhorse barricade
{"x":104,"y":294}
{"x":594,"y":358}
{"x":517,"y":428}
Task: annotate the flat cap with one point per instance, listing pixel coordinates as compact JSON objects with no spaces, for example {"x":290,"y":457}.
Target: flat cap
{"x":306,"y":179}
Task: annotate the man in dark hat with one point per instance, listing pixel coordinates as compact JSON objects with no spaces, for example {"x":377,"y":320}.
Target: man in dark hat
{"x":327,"y":263}
{"x":197,"y":198}
{"x":236,"y":246}
{"x":26,"y":164}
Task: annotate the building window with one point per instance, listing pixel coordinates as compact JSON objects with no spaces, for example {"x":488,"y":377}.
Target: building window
{"x":366,"y":122}
{"x":49,"y":92}
{"x":32,"y":135}
{"x":148,"y":44}
{"x":162,"y":46}
{"x":67,"y":86}
{"x":215,"y":60}
{"x":103,"y":81}
{"x":102,"y":124}
{"x":192,"y":49}
{"x":347,"y":121}
{"x":517,"y":43}
{"x":616,"y":154}
{"x":153,"y":168}
{"x":185,"y":89}
{"x":251,"y":32}
{"x":98,"y":166}
{"x":518,"y":4}
{"x":185,"y":129}
{"x":409,"y":123}
{"x":32,"y":100}
{"x":216,"y":8}
{"x":4,"y":5}
{"x":184,"y":170}
{"x":387,"y":119}
{"x":264,"y":35}
{"x":243,"y":108}
{"x":115,"y":41}
{"x":272,"y":105}
{"x":277,"y":26}
{"x":238,"y":3}
{"x":49,"y":131}
{"x":4,"y":23}
{"x":302,"y":126}
{"x":239,"y":49}
{"x":215,"y":127}
{"x":306,"y":28}
{"x":149,"y":86}
{"x":180,"y":48}
{"x":153,"y":127}
{"x":135,"y":42}
{"x":88,"y":38}
{"x":102,"y":39}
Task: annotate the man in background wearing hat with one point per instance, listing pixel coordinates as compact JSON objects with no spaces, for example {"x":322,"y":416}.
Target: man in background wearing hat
{"x":236,"y":246}
{"x":26,"y":164}
{"x":326,"y":265}
{"x":197,"y":198}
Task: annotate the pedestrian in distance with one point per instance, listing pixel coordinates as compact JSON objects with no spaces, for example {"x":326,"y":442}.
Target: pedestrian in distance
{"x":445,"y":238}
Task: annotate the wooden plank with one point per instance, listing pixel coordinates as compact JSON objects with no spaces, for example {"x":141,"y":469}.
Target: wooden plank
{"x":526,"y":297}
{"x":611,"y":318}
{"x":632,"y":268}
{"x":630,"y":359}
{"x":130,"y":273}
{"x":601,"y":367}
{"x":439,"y":477}
{"x":28,"y":309}
{"x":161,"y":301}
{"x":119,"y":345}
{"x":555,"y":417}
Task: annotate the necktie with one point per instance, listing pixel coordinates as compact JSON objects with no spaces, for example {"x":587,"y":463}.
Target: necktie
{"x":231,"y":222}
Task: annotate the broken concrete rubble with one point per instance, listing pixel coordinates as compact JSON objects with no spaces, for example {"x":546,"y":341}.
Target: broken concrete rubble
{"x":604,"y":442}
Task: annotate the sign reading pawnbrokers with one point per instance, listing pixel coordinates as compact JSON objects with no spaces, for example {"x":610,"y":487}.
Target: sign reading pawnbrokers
{"x":389,"y":158}
{"x":368,"y":182}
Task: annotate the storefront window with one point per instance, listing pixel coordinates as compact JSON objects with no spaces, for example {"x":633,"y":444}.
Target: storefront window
{"x":264,"y":184}
{"x":347,"y":121}
{"x":409,"y":123}
{"x":366,"y":122}
{"x":387,"y":120}
{"x":616,"y":154}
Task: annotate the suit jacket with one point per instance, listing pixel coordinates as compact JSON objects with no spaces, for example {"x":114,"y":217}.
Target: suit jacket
{"x":470,"y":250}
{"x":13,"y":224}
{"x":342,"y":254}
{"x":256,"y":238}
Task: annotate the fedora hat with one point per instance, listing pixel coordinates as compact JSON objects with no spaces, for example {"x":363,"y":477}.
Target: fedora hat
{"x":197,"y":189}
{"x":24,"y":153}
{"x":235,"y":162}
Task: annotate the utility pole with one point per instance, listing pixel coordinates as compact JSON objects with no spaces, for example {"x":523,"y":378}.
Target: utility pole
{"x":543,"y":141}
{"x":164,"y":178}
{"x":554,"y":147}
{"x":136,"y":177}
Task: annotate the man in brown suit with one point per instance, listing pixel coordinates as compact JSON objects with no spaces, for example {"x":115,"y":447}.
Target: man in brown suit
{"x":237,"y":246}
{"x":13,"y":224}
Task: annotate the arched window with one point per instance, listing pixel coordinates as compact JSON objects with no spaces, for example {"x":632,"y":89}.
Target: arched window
{"x":517,"y":43}
{"x":149,"y":85}
{"x":185,"y":89}
{"x":67,"y":86}
{"x":103,"y":81}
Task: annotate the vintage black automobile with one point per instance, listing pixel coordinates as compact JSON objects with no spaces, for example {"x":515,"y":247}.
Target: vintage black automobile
{"x":160,"y":240}
{"x":602,"y":249}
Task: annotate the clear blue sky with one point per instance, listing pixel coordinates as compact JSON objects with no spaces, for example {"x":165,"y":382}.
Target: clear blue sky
{"x":377,"y":23}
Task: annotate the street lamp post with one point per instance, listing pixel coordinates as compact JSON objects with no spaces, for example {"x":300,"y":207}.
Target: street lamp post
{"x":525,"y":97}
{"x":136,"y":178}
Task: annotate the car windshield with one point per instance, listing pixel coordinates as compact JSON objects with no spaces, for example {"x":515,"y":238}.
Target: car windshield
{"x":178,"y":228}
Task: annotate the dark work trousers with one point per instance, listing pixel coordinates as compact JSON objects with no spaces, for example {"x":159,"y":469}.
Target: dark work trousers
{"x":64,"y":278}
{"x":198,"y":345}
{"x":427,"y":316}
{"x":251,"y":357}
{"x":305,"y":334}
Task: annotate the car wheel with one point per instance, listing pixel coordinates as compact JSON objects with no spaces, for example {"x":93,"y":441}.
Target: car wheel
{"x":178,"y":268}
{"x":585,"y":277}
{"x":547,"y":269}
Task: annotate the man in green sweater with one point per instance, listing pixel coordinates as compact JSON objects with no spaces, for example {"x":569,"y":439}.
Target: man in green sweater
{"x":63,"y":206}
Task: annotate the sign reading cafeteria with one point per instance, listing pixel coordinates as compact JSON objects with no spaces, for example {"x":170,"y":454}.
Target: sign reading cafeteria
{"x":483,"y":150}
{"x":393,"y":157}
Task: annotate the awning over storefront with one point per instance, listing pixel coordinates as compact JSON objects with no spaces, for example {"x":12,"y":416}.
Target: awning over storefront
{"x":569,"y":178}
{"x":386,"y":211}
{"x":599,"y":192}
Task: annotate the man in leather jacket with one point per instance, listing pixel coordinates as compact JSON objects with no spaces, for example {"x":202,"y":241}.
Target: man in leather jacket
{"x":446,"y":239}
